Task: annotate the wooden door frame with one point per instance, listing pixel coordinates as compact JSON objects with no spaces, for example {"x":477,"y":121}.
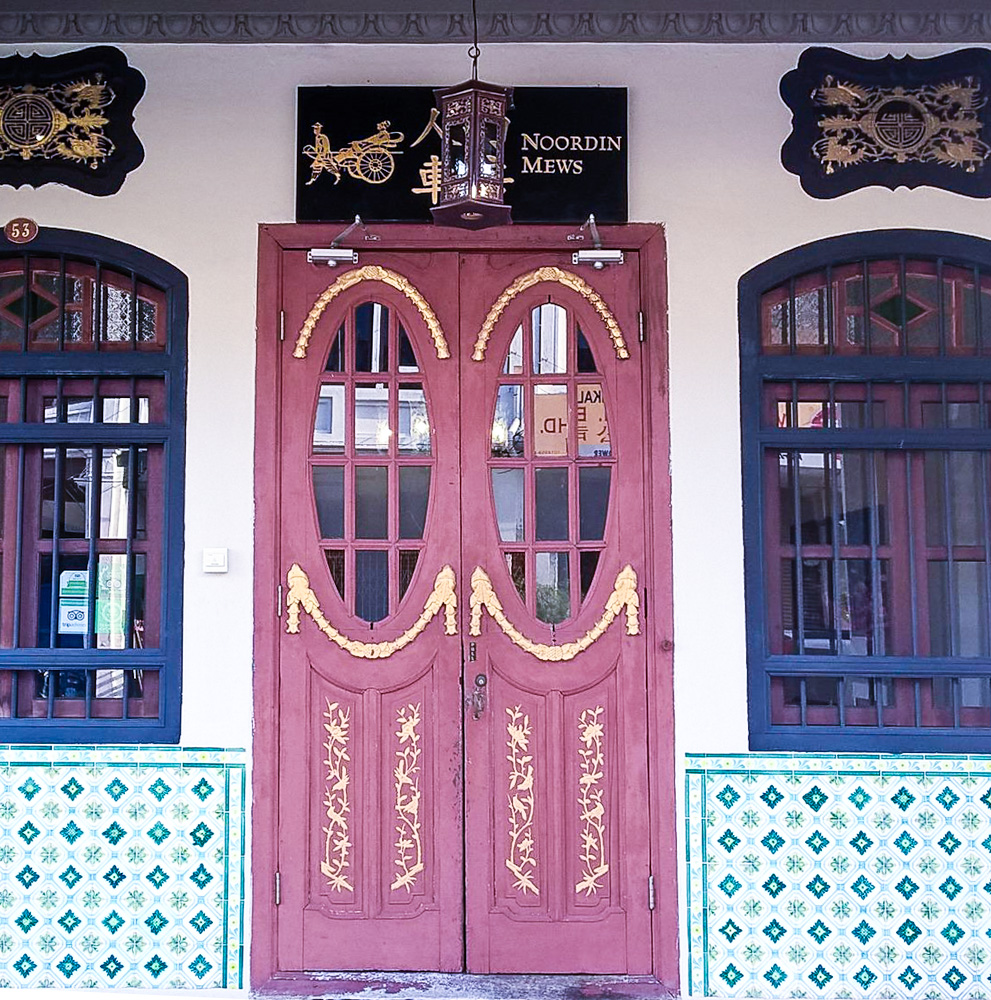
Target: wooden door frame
{"x":648,"y":240}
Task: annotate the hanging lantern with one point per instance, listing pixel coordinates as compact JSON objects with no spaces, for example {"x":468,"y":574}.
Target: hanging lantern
{"x":473,"y":138}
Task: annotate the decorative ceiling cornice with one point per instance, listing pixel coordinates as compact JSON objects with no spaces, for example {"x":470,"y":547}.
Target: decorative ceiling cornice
{"x":371,"y":26}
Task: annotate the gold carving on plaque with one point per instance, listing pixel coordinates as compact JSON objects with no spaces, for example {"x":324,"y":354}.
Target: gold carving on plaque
{"x":522,"y":861}
{"x":337,"y":845}
{"x":624,"y":596}
{"x":63,"y":121}
{"x":371,"y":272}
{"x":590,"y":794}
{"x":936,"y":123}
{"x":409,"y":847}
{"x":370,"y":160}
{"x":562,"y":277}
{"x":301,"y":597}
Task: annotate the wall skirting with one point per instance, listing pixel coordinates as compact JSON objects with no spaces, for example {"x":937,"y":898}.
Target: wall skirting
{"x":121,"y":866}
{"x":839,"y":875}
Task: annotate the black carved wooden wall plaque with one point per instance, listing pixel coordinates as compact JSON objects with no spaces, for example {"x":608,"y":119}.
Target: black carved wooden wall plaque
{"x":69,"y":119}
{"x":891,"y":122}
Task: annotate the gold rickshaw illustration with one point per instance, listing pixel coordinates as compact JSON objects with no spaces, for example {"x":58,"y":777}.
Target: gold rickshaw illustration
{"x":372,"y":160}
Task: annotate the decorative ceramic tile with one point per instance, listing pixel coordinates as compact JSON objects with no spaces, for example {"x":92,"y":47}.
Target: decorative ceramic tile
{"x":837,"y":876}
{"x":121,"y":866}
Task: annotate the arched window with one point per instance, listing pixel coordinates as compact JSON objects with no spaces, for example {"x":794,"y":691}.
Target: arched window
{"x":92,"y":412}
{"x":866,"y":412}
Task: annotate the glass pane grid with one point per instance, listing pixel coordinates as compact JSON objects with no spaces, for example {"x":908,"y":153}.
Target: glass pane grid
{"x":372,"y":460}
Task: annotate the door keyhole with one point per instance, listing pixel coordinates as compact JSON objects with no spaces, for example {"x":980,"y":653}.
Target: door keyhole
{"x":477,"y":700}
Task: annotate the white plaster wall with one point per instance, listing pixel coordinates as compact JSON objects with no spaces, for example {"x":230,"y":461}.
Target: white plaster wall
{"x":706,"y":126}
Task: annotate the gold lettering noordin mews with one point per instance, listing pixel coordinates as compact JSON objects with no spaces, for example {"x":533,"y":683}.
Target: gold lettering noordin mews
{"x":572,"y":143}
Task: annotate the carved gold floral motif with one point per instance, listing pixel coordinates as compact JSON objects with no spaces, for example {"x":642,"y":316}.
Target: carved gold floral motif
{"x":590,"y":795}
{"x":337,"y":843}
{"x":301,"y":596}
{"x":624,"y":595}
{"x":522,"y":860}
{"x":371,"y":272}
{"x":409,"y":847}
{"x":562,"y":277}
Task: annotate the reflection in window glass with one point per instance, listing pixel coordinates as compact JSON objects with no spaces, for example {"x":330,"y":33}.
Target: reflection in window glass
{"x":371,"y":418}
{"x":516,"y":561}
{"x":550,"y":339}
{"x":335,"y":563}
{"x":328,"y":427}
{"x":553,"y":587}
{"x":586,"y":360}
{"x":407,"y":567}
{"x":514,"y":357}
{"x":591,"y":423}
{"x":593,"y":501}
{"x":371,"y":322}
{"x":507,"y":424}
{"x":407,"y":356}
{"x":550,"y":420}
{"x":588,"y":563}
{"x":414,"y":425}
{"x":552,"y":504}
{"x":335,"y":358}
{"x":507,"y":491}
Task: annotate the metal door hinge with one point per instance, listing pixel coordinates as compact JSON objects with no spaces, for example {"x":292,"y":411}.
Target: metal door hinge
{"x":278,"y":889}
{"x":640,"y":325}
{"x":651,"y":899}
{"x":282,"y":325}
{"x":278,"y":602}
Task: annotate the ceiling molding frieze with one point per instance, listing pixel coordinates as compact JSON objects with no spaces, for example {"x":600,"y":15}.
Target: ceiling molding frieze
{"x":550,"y":26}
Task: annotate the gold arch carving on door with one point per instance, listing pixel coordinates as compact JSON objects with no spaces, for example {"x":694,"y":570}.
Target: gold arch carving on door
{"x":301,"y":598}
{"x":624,"y":596}
{"x":337,"y":841}
{"x":409,"y":845}
{"x":371,"y":272}
{"x":592,"y":763}
{"x":556,"y":274}
{"x":522,"y":860}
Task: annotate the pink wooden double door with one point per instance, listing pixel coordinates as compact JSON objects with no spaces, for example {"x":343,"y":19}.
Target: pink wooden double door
{"x":462,"y":724}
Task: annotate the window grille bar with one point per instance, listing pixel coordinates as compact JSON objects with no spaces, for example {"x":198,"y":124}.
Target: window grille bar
{"x":799,"y":566}
{"x":58,"y":503}
{"x":955,"y":696}
{"x":904,"y":304}
{"x":978,"y":317}
{"x":19,"y":534}
{"x":877,"y":607}
{"x":878,"y":685}
{"x":986,"y":530}
{"x":833,"y":471}
{"x":913,"y":582}
{"x":917,"y":684}
{"x":15,"y":681}
{"x":62,"y":298}
{"x":803,"y":702}
{"x":830,"y":317}
{"x":841,"y":698}
{"x":132,"y":517}
{"x":866,"y":282}
{"x":53,"y":678}
{"x":93,"y":519}
{"x":941,"y":307}
{"x":90,"y":684}
{"x":945,"y":461}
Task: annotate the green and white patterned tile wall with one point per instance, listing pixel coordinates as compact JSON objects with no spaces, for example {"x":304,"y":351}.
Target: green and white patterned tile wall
{"x":121,"y":866}
{"x":839,"y":876}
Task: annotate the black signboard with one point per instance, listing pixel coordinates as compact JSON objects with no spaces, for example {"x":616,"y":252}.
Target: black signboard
{"x":891,"y":122}
{"x":375,"y":152}
{"x":69,"y":119}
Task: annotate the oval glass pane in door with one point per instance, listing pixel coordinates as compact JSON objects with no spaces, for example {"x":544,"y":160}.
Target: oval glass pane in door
{"x":551,"y":463}
{"x":371,"y":461}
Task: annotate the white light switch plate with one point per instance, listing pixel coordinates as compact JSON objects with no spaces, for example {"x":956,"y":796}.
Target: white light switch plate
{"x":215,"y":560}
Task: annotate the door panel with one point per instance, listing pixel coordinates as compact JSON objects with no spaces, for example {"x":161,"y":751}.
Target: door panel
{"x":370,"y":767}
{"x":556,"y":819}
{"x":427,"y":821}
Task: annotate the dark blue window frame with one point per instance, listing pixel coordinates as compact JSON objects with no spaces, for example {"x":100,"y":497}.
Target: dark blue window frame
{"x":758,"y":369}
{"x":168,"y":366}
